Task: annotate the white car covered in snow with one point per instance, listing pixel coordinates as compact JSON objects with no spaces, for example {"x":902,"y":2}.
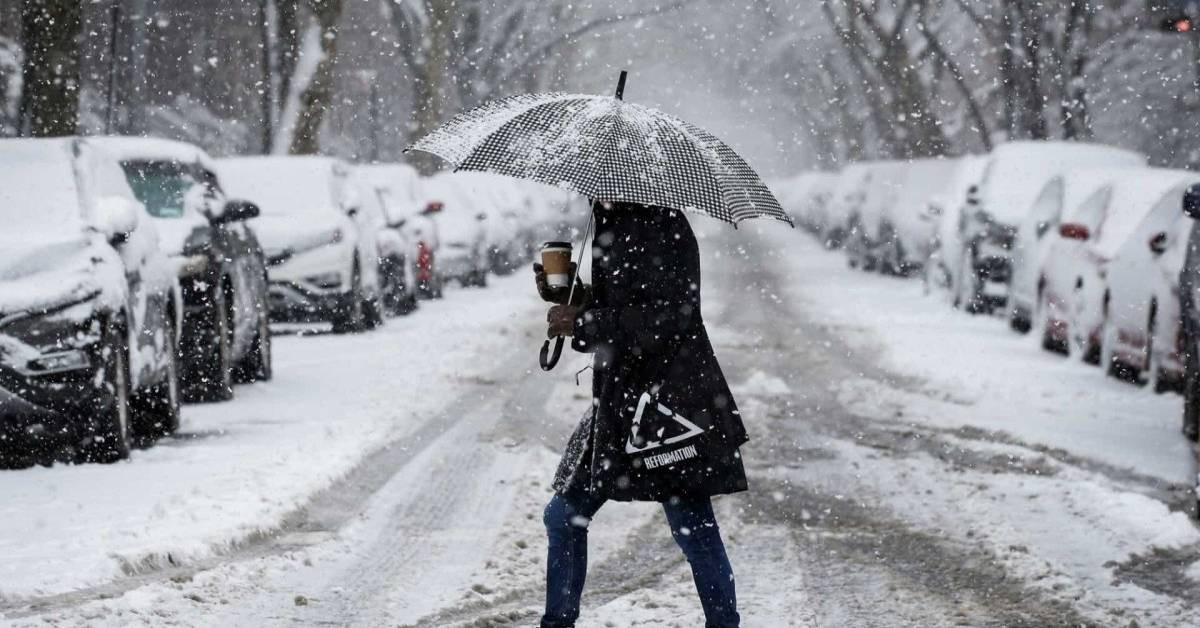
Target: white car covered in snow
{"x":1038,"y":230}
{"x":905,"y":228}
{"x":849,"y":193}
{"x":865,"y":225}
{"x":1074,"y":297}
{"x":957,"y":196}
{"x":1013,"y":177}
{"x":397,"y":254}
{"x":1141,"y":330}
{"x":462,"y":252}
{"x":322,"y":248}
{"x":806,"y":198}
{"x":502,"y":202}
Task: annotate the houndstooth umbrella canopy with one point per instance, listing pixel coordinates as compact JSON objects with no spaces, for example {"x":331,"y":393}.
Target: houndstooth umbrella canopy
{"x":608,"y":150}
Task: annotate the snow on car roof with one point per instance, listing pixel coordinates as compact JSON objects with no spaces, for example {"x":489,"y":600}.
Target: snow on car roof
{"x":285,"y":185}
{"x":796,"y":191}
{"x":126,"y":148}
{"x":391,"y":176}
{"x":1135,"y":194}
{"x":1017,"y":171}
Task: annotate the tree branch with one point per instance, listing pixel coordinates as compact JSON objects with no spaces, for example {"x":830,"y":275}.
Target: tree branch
{"x":566,"y":37}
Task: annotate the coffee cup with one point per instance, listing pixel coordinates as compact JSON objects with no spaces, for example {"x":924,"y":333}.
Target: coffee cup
{"x":556,"y":261}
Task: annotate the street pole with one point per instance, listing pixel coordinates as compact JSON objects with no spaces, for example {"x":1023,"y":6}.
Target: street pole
{"x":374,"y":113}
{"x":267,"y":98}
{"x":115,"y":21}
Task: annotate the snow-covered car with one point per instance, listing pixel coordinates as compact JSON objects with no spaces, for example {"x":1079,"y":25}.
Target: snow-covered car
{"x":958,"y":195}
{"x":89,"y":305}
{"x":848,"y":195}
{"x":1075,"y":299}
{"x":905,"y":228}
{"x":397,"y":254}
{"x":1141,"y":330}
{"x":806,"y":197}
{"x":865,"y":226}
{"x":322,"y":249}
{"x":1014,"y":176}
{"x":222,"y":269}
{"x":1037,"y":230}
{"x":1189,"y":306}
{"x":416,"y":219}
{"x":462,"y":252}
{"x":502,"y":203}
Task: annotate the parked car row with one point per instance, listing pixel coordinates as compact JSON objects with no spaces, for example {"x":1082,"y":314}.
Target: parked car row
{"x":1082,"y":244}
{"x":136,"y":274}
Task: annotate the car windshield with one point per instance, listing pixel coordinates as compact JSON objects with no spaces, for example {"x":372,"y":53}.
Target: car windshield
{"x":162,"y":186}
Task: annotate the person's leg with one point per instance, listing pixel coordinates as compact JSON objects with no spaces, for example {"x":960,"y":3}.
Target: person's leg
{"x":694,"y":527}
{"x":566,"y":520}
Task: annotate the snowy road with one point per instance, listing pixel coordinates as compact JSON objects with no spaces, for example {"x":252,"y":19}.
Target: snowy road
{"x":909,"y":466}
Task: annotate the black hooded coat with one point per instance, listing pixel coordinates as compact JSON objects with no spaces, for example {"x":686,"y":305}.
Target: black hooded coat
{"x":663,"y":422}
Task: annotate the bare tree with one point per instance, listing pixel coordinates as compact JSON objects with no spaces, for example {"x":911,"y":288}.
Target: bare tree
{"x":316,"y":96}
{"x":50,"y":76}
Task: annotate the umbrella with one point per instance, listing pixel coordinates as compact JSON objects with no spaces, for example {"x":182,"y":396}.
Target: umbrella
{"x":607,"y":150}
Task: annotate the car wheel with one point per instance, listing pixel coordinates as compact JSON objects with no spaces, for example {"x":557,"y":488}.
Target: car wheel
{"x":256,"y":366}
{"x":1049,"y":342}
{"x":372,"y":314}
{"x":1191,"y":404}
{"x":1018,"y":320}
{"x":155,"y":411}
{"x":210,"y":355}
{"x":350,"y":315}
{"x":481,"y":279}
{"x":108,"y":439}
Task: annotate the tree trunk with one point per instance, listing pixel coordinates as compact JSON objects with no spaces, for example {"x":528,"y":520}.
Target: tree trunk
{"x":287,"y":37}
{"x":318,"y":94}
{"x":50,"y":100}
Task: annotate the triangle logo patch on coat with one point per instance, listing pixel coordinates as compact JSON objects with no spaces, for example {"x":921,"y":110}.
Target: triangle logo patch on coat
{"x":636,"y":443}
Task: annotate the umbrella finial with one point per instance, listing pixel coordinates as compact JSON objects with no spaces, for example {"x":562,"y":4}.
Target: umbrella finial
{"x":621,"y":85}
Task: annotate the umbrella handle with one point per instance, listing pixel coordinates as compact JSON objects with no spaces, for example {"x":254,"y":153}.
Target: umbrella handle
{"x":548,"y":360}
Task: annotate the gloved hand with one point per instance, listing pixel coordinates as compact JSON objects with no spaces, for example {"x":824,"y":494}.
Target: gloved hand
{"x":555,"y":294}
{"x":562,"y":320}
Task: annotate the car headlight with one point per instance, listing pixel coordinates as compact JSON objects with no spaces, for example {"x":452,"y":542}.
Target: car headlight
{"x":72,"y":360}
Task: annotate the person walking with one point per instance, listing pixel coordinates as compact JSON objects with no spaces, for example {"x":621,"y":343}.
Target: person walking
{"x":663,"y":425}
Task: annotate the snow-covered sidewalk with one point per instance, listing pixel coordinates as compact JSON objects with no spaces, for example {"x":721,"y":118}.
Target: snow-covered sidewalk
{"x":237,"y":469}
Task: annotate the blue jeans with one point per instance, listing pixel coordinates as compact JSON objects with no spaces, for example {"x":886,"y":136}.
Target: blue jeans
{"x":694,"y":527}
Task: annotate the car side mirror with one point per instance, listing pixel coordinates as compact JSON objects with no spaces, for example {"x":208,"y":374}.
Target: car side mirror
{"x":1158,"y":243}
{"x":352,"y":211}
{"x":116,"y":218}
{"x":481,"y":216}
{"x":237,"y":210}
{"x":1191,"y":201}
